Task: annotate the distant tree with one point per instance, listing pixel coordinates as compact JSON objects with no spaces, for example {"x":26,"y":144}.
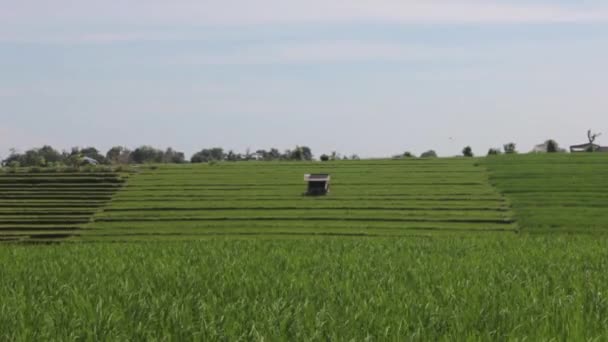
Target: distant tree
{"x":429,"y":154}
{"x":170,"y":156}
{"x":592,"y":137}
{"x":49,"y":154}
{"x":118,"y":155}
{"x":354,"y":157}
{"x":44,"y":156}
{"x":300,"y":153}
{"x":467,"y":151}
{"x":274,"y":154}
{"x":261,"y":154}
{"x":89,"y":152}
{"x":552,"y":146}
{"x":248,"y":155}
{"x":113,"y":154}
{"x":231,"y":156}
{"x":207,"y":155}
{"x":510,"y":148}
{"x":217,"y":154}
{"x":146,"y":154}
{"x":494,"y":151}
{"x":74,"y":159}
{"x":325,"y":157}
{"x":198,"y":157}
{"x":12,"y":159}
{"x":408,"y":154}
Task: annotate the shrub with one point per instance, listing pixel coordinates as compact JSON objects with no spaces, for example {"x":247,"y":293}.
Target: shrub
{"x":494,"y":151}
{"x":429,"y":154}
{"x":552,"y":146}
{"x":467,"y":151}
{"x":510,"y":148}
{"x":324,"y":157}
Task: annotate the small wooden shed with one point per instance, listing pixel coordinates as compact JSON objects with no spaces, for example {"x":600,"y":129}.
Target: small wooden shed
{"x":318,"y":184}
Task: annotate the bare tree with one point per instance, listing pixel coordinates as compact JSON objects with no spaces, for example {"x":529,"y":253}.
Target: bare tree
{"x":592,"y":136}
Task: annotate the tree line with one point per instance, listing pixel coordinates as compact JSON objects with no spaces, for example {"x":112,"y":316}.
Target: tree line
{"x":47,"y":156}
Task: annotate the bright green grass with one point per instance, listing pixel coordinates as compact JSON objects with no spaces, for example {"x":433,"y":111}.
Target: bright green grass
{"x":374,"y":197}
{"x":555,"y":192}
{"x":496,"y":288}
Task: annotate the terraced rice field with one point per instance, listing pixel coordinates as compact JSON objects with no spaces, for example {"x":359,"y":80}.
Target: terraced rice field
{"x":444,"y":264}
{"x":367,"y":198}
{"x":43,"y":206}
{"x":555,"y":192}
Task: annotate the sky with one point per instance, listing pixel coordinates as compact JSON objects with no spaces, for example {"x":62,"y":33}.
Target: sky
{"x":371,"y":77}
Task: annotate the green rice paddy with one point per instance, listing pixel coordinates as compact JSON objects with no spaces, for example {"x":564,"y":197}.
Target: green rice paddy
{"x":50,"y":206}
{"x":555,"y":192}
{"x":367,"y":198}
{"x":498,"y":287}
{"x":502,"y":248}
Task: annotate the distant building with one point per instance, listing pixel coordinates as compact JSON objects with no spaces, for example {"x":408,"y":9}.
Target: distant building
{"x":544,"y":148}
{"x":590,"y":146}
{"x":89,"y":161}
{"x":318,"y":184}
{"x":587,"y":148}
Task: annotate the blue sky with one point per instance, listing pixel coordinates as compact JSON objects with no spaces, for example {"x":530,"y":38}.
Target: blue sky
{"x":369,"y":77}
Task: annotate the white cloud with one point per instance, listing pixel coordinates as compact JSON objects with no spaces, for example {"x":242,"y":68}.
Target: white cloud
{"x":247,"y":12}
{"x":400,"y":11}
{"x":347,"y":51}
{"x":30,"y":18}
{"x":317,"y":52}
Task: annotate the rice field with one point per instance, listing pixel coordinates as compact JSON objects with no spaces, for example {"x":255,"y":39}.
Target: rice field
{"x":555,"y":192}
{"x":421,"y":249}
{"x":475,"y":287}
{"x":367,"y":198}
{"x":38,"y":206}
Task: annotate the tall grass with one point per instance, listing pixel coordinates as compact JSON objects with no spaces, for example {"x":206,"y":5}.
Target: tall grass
{"x":498,"y":288}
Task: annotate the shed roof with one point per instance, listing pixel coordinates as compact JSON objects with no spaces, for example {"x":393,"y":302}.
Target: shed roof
{"x":317,"y":177}
{"x":90,"y":160}
{"x":585,"y":146}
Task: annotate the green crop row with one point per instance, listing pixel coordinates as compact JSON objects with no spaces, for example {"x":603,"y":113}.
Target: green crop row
{"x":289,"y":204}
{"x":38,"y":206}
{"x":551,"y":193}
{"x":367,"y":197}
{"x":428,"y":288}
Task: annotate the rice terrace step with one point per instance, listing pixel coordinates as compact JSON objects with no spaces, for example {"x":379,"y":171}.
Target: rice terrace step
{"x":38,"y":206}
{"x":367,"y":198}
